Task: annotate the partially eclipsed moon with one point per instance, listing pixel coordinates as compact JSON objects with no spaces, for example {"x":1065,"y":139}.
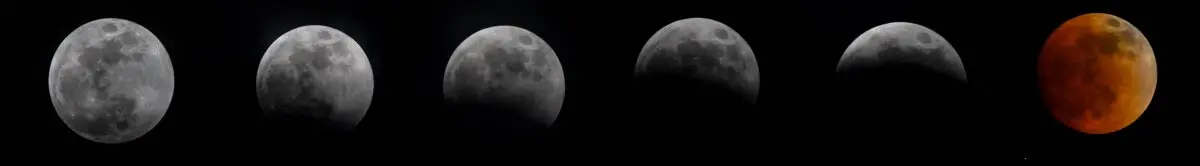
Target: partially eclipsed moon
{"x":1097,"y":73}
{"x":902,"y":42}
{"x":111,"y":80}
{"x":507,"y":68}
{"x":318,"y":76}
{"x":705,"y":49}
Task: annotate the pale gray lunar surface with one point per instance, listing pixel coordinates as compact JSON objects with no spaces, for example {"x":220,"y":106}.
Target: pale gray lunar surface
{"x":509,"y":66}
{"x":705,"y":49}
{"x":316,"y":74}
{"x":111,"y":80}
{"x":902,"y":42}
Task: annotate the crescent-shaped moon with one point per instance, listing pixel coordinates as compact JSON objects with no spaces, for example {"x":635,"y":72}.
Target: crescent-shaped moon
{"x":903,"y":42}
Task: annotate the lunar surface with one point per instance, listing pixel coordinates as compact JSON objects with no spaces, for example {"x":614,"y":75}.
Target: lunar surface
{"x":703,"y":49}
{"x":901,"y":86}
{"x":508,"y":70}
{"x":315,"y":77}
{"x":111,"y":80}
{"x":1097,"y":73}
{"x":902,"y":42}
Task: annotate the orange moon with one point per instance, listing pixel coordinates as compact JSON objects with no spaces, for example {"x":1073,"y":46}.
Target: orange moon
{"x":1097,"y":73}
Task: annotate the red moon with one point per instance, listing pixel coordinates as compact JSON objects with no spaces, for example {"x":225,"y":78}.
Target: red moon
{"x":1097,"y":73}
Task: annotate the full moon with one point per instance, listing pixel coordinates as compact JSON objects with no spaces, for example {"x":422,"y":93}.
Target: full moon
{"x":111,"y":80}
{"x":703,"y":49}
{"x":509,"y":71}
{"x":1097,"y":73}
{"x":315,"y":77}
{"x":906,"y":43}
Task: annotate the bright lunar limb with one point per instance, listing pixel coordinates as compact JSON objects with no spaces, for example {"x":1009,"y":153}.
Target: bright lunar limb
{"x":507,"y":68}
{"x":903,"y":42}
{"x":316,"y":76}
{"x":1098,"y":73}
{"x":111,"y":80}
{"x":704,"y":49}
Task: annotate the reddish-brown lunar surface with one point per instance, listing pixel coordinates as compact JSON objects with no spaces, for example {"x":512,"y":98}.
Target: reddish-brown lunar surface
{"x":1097,"y":73}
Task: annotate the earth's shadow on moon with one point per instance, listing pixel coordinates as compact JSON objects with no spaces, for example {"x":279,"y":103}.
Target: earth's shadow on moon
{"x":669,"y":108}
{"x":286,"y":130}
{"x":905,"y":112}
{"x":492,"y":121}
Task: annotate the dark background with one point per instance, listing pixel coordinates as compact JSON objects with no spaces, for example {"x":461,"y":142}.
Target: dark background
{"x":801,"y":118}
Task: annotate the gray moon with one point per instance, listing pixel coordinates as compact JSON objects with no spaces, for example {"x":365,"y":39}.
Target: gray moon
{"x":902,"y":42}
{"x":111,"y":80}
{"x":318,"y":75}
{"x":507,"y":66}
{"x":705,"y":49}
